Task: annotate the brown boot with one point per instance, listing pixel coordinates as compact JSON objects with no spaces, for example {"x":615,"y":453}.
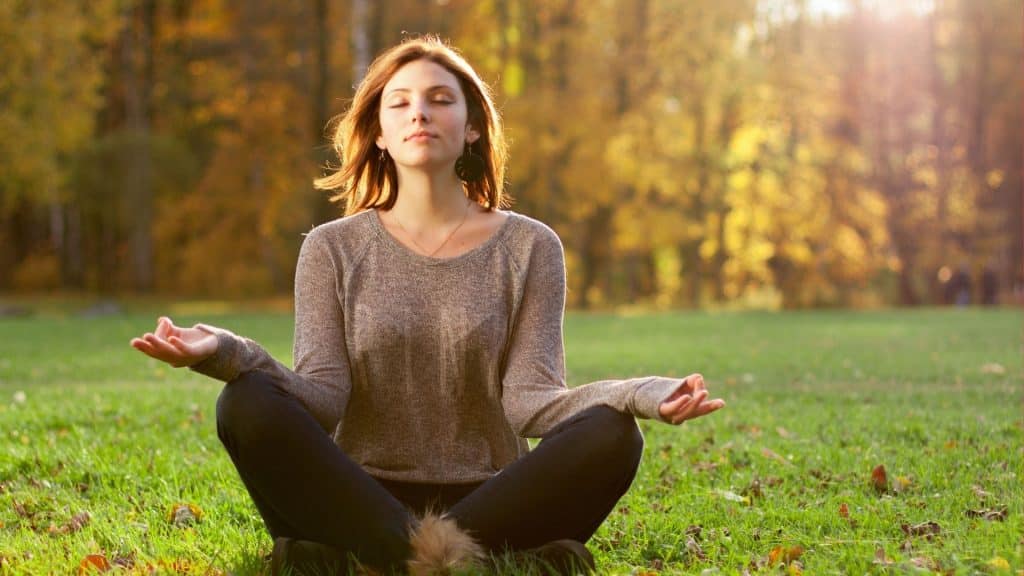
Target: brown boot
{"x":562,"y":558}
{"x":304,"y":558}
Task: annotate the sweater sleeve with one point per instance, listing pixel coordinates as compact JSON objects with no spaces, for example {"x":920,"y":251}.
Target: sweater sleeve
{"x":535,"y":397}
{"x":321,"y":378}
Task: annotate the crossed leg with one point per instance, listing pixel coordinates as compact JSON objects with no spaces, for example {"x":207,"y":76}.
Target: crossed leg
{"x":306,"y":487}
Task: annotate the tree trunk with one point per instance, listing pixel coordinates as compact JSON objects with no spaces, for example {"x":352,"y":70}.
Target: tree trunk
{"x":137,"y":179}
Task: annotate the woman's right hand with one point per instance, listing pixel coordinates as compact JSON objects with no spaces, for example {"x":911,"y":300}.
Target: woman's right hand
{"x":176,"y":346}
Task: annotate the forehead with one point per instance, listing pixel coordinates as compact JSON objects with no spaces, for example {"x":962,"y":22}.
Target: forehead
{"x":422,"y":75}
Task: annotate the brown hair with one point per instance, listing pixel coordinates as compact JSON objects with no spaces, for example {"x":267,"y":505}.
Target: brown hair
{"x":367,"y":178}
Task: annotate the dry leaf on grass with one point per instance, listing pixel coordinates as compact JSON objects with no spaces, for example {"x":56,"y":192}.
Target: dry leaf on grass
{"x":881,"y":559}
{"x":901,"y":483}
{"x":990,"y":514}
{"x":993,"y":368}
{"x":928,"y":529}
{"x":731,"y":496}
{"x":844,"y":510}
{"x":998,"y":563}
{"x":879,"y":479}
{"x":784,"y":554}
{"x":769,"y":453}
{"x":693,"y":549}
{"x":980,"y":492}
{"x":77,"y":522}
{"x":93,"y":563}
{"x":185,"y":514}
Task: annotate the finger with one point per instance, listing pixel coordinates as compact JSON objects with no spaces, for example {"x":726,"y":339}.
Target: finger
{"x":163,"y":347}
{"x":698,"y":382}
{"x":182,"y":346}
{"x":161,"y":327}
{"x":689,"y":410}
{"x":141,"y":345}
{"x":710,"y":406}
{"x":674,"y":405}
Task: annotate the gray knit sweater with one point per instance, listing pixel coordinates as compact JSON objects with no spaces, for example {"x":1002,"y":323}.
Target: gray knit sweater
{"x":428,"y":369}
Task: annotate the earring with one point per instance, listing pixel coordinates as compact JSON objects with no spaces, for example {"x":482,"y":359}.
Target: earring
{"x":470,"y":167}
{"x":382,"y":159}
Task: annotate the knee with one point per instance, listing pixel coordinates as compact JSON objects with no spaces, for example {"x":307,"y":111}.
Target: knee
{"x":244,"y":406}
{"x":616,"y":437}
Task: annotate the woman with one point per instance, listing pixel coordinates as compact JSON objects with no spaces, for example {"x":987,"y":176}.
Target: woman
{"x":428,"y":345}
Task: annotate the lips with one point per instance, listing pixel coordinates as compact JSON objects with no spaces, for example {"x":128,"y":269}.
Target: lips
{"x":421,"y":135}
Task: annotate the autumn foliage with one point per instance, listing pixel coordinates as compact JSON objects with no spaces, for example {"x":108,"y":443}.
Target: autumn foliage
{"x":762,"y":152}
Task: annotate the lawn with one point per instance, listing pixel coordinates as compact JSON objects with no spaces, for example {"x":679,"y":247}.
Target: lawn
{"x":111,"y":458}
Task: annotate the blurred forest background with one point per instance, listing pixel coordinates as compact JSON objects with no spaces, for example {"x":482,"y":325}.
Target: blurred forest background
{"x":786,"y":153}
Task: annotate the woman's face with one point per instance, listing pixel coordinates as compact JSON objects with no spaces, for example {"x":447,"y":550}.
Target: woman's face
{"x":423,"y":117}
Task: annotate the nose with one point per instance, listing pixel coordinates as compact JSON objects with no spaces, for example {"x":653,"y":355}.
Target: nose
{"x":418,"y":108}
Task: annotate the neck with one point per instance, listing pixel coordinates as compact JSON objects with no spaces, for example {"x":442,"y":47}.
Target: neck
{"x":428,"y":200}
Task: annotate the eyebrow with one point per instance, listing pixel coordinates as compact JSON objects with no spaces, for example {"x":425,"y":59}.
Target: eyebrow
{"x":434,"y":88}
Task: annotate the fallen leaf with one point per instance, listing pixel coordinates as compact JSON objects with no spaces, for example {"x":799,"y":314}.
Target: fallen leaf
{"x":926,"y":529}
{"x":993,"y":368}
{"x":751,"y":429}
{"x":694,"y":531}
{"x":978,"y":491}
{"x":185,"y":514}
{"x":753,"y":490}
{"x":950,"y":444}
{"x":93,"y":562}
{"x":769,"y":453}
{"x":926,"y":563}
{"x":991,"y":514}
{"x":731,"y":496}
{"x":693,"y":549}
{"x":998,"y":563}
{"x":21,"y":510}
{"x":901,"y":483}
{"x":705,"y":466}
{"x":879,"y":479}
{"x":783,"y":432}
{"x":881,"y":559}
{"x":844,"y":510}
{"x":784,"y":554}
{"x":795,"y":568}
{"x":77,"y":522}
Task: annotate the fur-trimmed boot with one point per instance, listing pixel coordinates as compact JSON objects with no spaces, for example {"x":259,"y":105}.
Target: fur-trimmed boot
{"x":440,"y":547}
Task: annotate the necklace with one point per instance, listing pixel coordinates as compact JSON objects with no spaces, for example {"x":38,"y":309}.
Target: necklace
{"x":428,"y":253}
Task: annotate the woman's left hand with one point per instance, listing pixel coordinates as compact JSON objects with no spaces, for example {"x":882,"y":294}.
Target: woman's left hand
{"x":689,"y":401}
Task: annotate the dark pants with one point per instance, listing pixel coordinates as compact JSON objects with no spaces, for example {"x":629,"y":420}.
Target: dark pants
{"x":305,"y":487}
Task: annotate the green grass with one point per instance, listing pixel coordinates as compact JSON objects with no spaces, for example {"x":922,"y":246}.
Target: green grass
{"x":816,"y":400}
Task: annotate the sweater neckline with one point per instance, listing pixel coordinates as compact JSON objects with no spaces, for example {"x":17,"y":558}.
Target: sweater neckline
{"x":409,"y":255}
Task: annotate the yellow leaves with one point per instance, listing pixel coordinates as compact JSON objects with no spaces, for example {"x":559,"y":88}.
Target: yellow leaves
{"x":730,"y":496}
{"x":184,"y":514}
{"x":98,"y":563}
{"x":998,"y":563}
{"x":93,"y":563}
{"x":784,"y":554}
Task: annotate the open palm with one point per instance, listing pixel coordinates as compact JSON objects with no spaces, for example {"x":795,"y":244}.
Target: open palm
{"x":689,"y":401}
{"x":176,"y":346}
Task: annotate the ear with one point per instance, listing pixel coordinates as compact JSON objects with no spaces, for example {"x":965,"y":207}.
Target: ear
{"x":471,"y":134}
{"x":380,"y":143}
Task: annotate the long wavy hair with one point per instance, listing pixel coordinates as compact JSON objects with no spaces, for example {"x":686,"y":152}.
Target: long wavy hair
{"x":367,"y":177}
